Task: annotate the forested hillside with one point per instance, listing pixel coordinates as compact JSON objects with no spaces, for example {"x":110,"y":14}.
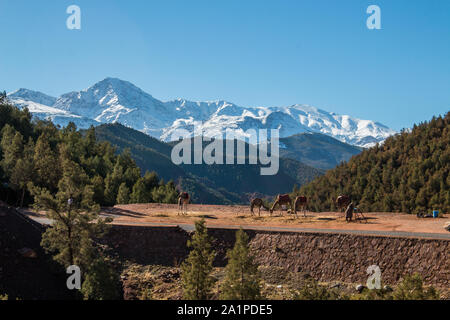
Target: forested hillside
{"x":317,"y":150}
{"x":212,"y":184}
{"x":408,"y":173}
{"x":35,"y":154}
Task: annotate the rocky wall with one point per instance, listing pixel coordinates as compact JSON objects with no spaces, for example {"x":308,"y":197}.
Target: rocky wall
{"x":325,"y":256}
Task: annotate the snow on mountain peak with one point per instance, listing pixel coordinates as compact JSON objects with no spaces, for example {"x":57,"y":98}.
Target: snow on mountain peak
{"x":34,"y":96}
{"x":115,"y":100}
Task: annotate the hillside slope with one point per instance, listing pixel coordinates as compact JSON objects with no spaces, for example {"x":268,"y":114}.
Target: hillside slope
{"x":408,"y":173}
{"x":317,"y":150}
{"x":149,"y":153}
{"x":219,"y":184}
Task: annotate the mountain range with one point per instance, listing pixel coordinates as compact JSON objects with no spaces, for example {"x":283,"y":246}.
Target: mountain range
{"x":117,"y":101}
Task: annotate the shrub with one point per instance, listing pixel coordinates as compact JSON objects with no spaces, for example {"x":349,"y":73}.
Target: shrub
{"x":312,"y":290}
{"x":411,"y":288}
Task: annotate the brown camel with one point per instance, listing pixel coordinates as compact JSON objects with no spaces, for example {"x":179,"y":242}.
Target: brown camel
{"x":342,"y":202}
{"x":300,"y":202}
{"x":257,"y":203}
{"x":183,"y":201}
{"x":282,"y":199}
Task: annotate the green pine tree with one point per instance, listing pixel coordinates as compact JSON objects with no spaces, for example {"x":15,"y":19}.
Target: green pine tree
{"x":242,"y":281}
{"x":123,"y":196}
{"x":46,"y":164}
{"x":101,"y":282}
{"x":151,"y":180}
{"x":112,"y":183}
{"x":3,"y":98}
{"x":75,"y":222}
{"x":197,"y":268}
{"x":98,"y":185}
{"x":23,"y":172}
{"x":140,"y":193}
{"x":12,"y":148}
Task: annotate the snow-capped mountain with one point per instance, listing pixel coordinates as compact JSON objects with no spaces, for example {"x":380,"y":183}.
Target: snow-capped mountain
{"x":114,"y":100}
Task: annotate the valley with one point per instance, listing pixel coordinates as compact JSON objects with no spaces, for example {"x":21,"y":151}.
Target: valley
{"x":208,"y":184}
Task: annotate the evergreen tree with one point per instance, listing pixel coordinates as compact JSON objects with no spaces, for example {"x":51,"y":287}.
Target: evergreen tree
{"x":112,"y":183}
{"x":12,"y":148}
{"x":23,"y":172}
{"x":123,"y":196}
{"x":151,"y":180}
{"x":75,"y":219}
{"x":101,"y":282}
{"x":3,"y":98}
{"x":140,"y":193}
{"x":47,"y":164}
{"x":99,"y":189}
{"x":20,"y":120}
{"x":197,"y":268}
{"x":242,"y":280}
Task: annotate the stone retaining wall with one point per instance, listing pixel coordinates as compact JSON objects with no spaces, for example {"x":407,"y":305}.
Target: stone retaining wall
{"x":326,"y":257}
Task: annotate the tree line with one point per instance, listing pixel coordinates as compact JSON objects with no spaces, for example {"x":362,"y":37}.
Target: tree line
{"x":37,"y":154}
{"x":409,"y":173}
{"x":69,"y":175}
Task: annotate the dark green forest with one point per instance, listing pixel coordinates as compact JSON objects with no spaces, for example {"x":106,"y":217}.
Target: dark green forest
{"x":36,"y":154}
{"x":409,"y":172}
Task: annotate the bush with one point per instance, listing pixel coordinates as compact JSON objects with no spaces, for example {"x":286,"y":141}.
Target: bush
{"x":101,"y":282}
{"x":411,"y":288}
{"x":373,"y":294}
{"x":312,"y":290}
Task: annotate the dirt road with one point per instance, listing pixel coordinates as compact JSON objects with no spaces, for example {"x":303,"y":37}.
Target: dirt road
{"x":377,"y":223}
{"x":395,"y":224}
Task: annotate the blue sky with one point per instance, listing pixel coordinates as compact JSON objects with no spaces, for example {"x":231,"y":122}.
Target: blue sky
{"x":252,"y":53}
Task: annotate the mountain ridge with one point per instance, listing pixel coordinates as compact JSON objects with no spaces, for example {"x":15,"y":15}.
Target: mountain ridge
{"x":114,"y":100}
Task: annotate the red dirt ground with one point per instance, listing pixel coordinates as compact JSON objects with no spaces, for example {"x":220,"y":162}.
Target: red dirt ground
{"x":218,"y":215}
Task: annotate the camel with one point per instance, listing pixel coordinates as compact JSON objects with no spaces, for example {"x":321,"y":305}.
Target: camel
{"x":183,"y":201}
{"x":342,"y":202}
{"x":282,"y":199}
{"x":300,"y":201}
{"x":257,"y":203}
